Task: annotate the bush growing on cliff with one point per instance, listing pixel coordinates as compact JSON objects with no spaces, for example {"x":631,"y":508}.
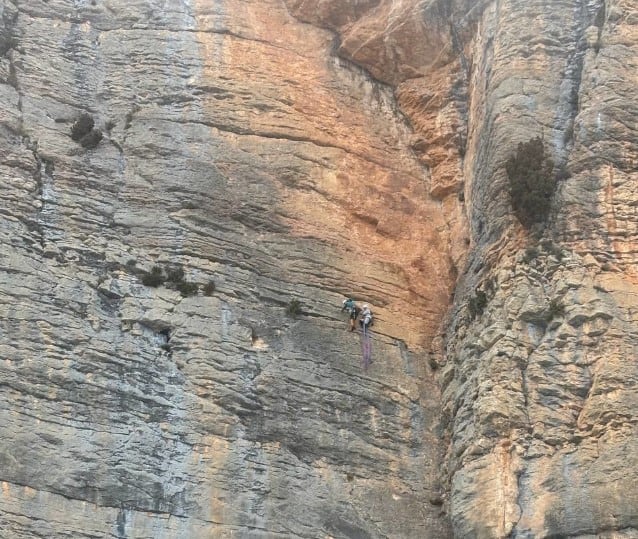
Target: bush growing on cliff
{"x":531,"y":181}
{"x":84,"y":132}
{"x":477,"y":304}
{"x":91,"y":139}
{"x":556,"y":309}
{"x":293,"y":308}
{"x":154,"y":278}
{"x":175,"y":279}
{"x":186,"y":288}
{"x":209,"y":288}
{"x":175,"y":275}
{"x":82,"y":126}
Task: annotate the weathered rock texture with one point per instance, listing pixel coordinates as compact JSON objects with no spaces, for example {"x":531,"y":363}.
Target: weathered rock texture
{"x":309,"y":149}
{"x":236,"y":146}
{"x":542,"y":404}
{"x":539,"y":388}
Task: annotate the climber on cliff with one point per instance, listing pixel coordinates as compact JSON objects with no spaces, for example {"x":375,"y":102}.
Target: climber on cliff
{"x":353,"y":311}
{"x":366,"y":319}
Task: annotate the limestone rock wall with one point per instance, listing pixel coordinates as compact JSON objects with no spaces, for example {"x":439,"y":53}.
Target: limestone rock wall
{"x":307,"y":149}
{"x":238,"y":148}
{"x":538,"y":388}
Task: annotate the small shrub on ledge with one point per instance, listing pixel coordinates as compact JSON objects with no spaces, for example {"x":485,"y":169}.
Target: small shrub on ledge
{"x":175,"y":275}
{"x":186,"y":288}
{"x":83,"y":131}
{"x":172,"y":277}
{"x":555,"y":309}
{"x":92,"y":139}
{"x":175,"y":279}
{"x":154,"y":278}
{"x":477,"y":304}
{"x":209,"y":288}
{"x":82,"y":126}
{"x":293,"y":308}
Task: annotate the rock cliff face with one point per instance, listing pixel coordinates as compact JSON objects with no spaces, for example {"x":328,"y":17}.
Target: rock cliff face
{"x":281,"y":150}
{"x":539,"y":385}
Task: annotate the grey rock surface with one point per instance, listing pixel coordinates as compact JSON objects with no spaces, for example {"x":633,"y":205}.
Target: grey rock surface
{"x":304,"y":150}
{"x":235,"y":148}
{"x":540,"y":388}
{"x":539,"y":379}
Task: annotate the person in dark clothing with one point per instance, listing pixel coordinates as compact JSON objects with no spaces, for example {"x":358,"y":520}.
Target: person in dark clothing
{"x":350,"y":306}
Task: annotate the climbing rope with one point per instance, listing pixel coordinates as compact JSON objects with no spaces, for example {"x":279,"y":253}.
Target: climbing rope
{"x":366,"y":347}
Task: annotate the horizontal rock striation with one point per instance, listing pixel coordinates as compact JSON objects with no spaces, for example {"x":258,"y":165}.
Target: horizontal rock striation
{"x":250,"y":168}
{"x":247,"y":154}
{"x":537,"y":371}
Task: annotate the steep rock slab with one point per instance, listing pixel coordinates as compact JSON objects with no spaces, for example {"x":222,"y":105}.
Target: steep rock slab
{"x":420,"y":48}
{"x":538,"y":379}
{"x":540,"y":385}
{"x":539,"y":398}
{"x":235,"y":147}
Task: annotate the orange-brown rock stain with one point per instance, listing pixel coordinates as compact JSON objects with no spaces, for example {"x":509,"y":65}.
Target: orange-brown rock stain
{"x":359,"y":189}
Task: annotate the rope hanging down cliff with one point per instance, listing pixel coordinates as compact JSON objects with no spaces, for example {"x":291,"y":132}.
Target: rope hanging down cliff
{"x":365,"y":317}
{"x":366,"y":346}
{"x":365,"y":321}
